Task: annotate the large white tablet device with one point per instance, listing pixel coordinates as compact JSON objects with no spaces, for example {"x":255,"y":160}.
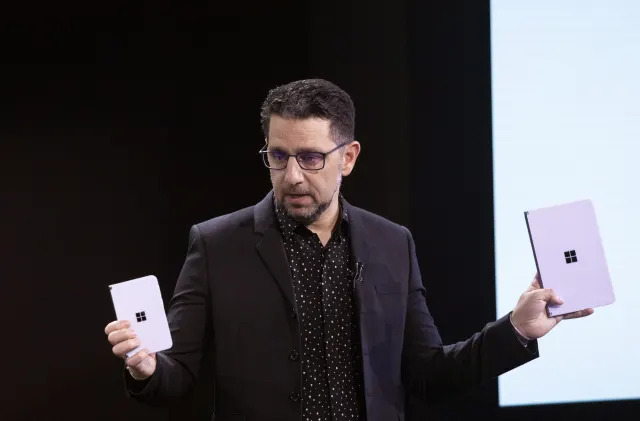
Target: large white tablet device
{"x":140,"y":301}
{"x":570,"y":256}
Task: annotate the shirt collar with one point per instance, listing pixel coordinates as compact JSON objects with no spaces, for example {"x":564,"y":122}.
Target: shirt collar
{"x":289,"y":225}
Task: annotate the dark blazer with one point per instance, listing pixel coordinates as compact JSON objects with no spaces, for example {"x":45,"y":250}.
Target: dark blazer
{"x":234,"y":299}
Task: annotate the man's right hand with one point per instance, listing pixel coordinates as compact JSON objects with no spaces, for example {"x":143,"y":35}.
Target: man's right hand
{"x":142,"y":364}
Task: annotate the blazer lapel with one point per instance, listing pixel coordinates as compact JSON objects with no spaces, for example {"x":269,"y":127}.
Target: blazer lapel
{"x":359,"y":235}
{"x":360,"y":253}
{"x":270,"y":247}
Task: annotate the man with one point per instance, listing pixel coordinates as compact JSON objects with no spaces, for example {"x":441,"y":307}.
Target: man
{"x":312,"y":308}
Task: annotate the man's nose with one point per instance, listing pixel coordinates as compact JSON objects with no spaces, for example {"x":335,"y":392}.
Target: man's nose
{"x":293,"y":172}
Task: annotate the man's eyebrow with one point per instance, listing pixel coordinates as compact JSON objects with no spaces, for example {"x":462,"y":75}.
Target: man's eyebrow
{"x":295,"y":151}
{"x":303,"y":150}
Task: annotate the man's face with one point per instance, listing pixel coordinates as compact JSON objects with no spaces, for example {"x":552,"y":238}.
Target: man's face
{"x":305,"y":194}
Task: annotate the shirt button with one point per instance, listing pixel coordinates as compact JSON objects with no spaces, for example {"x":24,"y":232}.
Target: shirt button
{"x":294,"y":396}
{"x":294,"y":355}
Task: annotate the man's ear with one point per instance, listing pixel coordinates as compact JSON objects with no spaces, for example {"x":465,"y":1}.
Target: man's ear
{"x":349,"y":158}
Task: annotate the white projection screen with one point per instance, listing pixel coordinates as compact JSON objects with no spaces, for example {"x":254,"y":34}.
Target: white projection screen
{"x":566,"y":126}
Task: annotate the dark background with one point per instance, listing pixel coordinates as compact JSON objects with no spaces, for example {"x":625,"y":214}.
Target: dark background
{"x":124,"y":123}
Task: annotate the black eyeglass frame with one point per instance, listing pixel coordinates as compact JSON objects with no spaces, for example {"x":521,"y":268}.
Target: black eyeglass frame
{"x":263,"y":151}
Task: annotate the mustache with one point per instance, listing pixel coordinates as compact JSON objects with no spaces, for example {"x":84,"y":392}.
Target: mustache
{"x":296,"y":192}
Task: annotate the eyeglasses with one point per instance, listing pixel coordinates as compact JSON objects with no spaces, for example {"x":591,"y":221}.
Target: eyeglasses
{"x":278,"y":160}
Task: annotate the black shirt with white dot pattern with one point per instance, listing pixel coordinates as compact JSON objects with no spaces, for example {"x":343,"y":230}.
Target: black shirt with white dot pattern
{"x":332,"y":386}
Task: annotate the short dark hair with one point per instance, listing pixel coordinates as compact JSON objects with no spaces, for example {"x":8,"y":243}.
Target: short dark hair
{"x":308,"y":98}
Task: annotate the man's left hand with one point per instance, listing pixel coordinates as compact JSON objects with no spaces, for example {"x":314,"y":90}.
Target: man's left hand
{"x":530,"y":317}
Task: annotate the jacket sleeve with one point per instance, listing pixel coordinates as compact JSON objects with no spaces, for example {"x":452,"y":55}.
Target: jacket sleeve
{"x":189,"y":322}
{"x":433,"y":371}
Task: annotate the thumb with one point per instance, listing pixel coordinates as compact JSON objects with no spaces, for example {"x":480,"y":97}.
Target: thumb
{"x":544,"y":294}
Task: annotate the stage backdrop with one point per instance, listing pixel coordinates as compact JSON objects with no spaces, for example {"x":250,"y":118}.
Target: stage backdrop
{"x":566,"y":125}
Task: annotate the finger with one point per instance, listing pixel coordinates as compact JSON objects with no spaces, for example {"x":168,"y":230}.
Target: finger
{"x":554,"y":299}
{"x":577,"y":314}
{"x":121,"y":335}
{"x":138,"y":358}
{"x":116,"y":325}
{"x":123,"y":347}
{"x":544,"y":294}
{"x":536,"y":281}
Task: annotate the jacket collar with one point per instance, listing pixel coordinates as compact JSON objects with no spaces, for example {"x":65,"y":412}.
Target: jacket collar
{"x":288,"y":225}
{"x":265,"y":221}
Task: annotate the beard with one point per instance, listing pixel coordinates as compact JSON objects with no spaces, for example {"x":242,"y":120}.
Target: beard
{"x":305,"y":218}
{"x":314,"y":211}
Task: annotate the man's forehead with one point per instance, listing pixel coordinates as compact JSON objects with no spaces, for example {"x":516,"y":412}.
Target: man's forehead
{"x":299,"y":133}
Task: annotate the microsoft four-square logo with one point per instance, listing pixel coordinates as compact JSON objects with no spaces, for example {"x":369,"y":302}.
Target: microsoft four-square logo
{"x":141,"y":317}
{"x":570,"y":256}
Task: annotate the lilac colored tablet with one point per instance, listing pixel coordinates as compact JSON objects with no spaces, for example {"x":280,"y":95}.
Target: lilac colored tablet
{"x":140,"y":301}
{"x":569,"y":256}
